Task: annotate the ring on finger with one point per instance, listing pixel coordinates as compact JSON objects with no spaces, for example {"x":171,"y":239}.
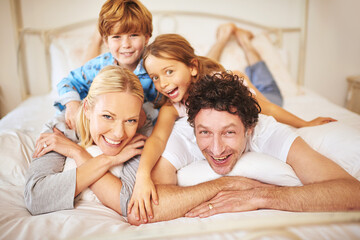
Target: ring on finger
{"x":210,"y":206}
{"x":45,"y":145}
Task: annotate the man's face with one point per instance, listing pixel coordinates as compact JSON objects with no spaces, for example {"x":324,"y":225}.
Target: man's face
{"x":220,"y":136}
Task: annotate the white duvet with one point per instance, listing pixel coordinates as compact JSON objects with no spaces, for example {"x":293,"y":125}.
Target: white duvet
{"x":340,"y":141}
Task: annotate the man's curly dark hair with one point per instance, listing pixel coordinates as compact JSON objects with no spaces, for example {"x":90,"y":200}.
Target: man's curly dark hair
{"x":223,"y":92}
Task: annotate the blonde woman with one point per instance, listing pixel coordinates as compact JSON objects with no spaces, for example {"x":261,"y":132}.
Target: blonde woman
{"x":108,"y":118}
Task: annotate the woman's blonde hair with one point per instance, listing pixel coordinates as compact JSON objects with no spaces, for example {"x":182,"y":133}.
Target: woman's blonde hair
{"x":176,"y":47}
{"x":109,"y":80}
{"x":124,"y":16}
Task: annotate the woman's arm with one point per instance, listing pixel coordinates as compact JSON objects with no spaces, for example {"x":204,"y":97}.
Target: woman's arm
{"x":47,"y":183}
{"x":94,"y":173}
{"x":48,"y":188}
{"x":88,"y":170}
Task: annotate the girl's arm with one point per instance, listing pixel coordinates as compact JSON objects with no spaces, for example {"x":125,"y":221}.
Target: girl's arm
{"x":279,"y":113}
{"x":155,"y":145}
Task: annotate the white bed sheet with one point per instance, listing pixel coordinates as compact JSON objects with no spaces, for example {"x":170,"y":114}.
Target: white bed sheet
{"x":91,"y":220}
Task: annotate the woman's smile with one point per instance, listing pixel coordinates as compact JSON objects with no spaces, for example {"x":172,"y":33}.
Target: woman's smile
{"x":114,"y":120}
{"x":108,"y":140}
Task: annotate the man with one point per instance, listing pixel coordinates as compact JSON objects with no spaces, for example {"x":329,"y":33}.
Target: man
{"x":224,"y":117}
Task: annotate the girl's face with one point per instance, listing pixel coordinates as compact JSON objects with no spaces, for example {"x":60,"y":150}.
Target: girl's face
{"x":172,"y":78}
{"x":114,"y":120}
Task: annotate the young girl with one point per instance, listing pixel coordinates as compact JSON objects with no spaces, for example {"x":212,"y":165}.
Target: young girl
{"x":108,"y":118}
{"x":172,"y":65}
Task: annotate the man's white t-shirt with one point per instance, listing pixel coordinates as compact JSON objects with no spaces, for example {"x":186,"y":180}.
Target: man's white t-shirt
{"x":269,"y":137}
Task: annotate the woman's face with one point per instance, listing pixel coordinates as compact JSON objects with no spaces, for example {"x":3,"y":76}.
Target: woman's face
{"x":172,"y":78}
{"x":114,"y":120}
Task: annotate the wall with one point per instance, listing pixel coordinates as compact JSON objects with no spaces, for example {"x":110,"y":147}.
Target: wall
{"x":333,"y":48}
{"x":10,"y":87}
{"x":332,"y":26}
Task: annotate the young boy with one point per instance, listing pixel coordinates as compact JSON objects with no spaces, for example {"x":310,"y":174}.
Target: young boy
{"x":125,"y":27}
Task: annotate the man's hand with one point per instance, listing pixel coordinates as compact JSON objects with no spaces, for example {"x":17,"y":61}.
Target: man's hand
{"x":237,"y":196}
{"x":70,"y":113}
{"x":225,"y":202}
{"x":235,"y":183}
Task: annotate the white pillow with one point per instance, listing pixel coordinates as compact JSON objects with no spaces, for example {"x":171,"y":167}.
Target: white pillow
{"x":253,"y":165}
{"x":17,"y":148}
{"x":67,"y":52}
{"x":337,"y":141}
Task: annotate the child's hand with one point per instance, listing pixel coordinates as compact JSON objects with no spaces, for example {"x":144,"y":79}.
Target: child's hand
{"x":319,"y":121}
{"x":140,"y":202}
{"x":132,"y":148}
{"x":70,"y":113}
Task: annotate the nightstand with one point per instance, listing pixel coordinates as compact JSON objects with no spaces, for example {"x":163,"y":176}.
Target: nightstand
{"x":353,"y":94}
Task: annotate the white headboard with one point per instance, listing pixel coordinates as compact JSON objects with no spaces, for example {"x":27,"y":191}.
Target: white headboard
{"x":199,"y":27}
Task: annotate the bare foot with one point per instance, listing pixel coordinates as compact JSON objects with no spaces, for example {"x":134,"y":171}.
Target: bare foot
{"x":243,"y":37}
{"x":225,"y":31}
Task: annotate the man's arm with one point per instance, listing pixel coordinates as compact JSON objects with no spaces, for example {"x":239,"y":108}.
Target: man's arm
{"x":327,"y":187}
{"x":176,"y":201}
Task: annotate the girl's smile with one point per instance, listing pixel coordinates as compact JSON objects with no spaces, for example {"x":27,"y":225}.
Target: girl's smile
{"x":172,"y":78}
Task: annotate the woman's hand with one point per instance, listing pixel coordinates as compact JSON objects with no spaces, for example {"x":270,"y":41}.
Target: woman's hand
{"x":70,"y":113}
{"x":133,"y":148}
{"x":57,"y":142}
{"x":140,"y":202}
{"x":319,"y":121}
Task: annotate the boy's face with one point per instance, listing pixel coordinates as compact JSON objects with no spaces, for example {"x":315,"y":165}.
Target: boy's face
{"x":127,"y":48}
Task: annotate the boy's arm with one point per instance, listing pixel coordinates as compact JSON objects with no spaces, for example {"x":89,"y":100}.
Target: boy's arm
{"x":73,"y":87}
{"x":76,"y":85}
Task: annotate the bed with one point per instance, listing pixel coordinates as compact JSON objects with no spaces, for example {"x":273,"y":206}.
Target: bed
{"x":282,"y":48}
